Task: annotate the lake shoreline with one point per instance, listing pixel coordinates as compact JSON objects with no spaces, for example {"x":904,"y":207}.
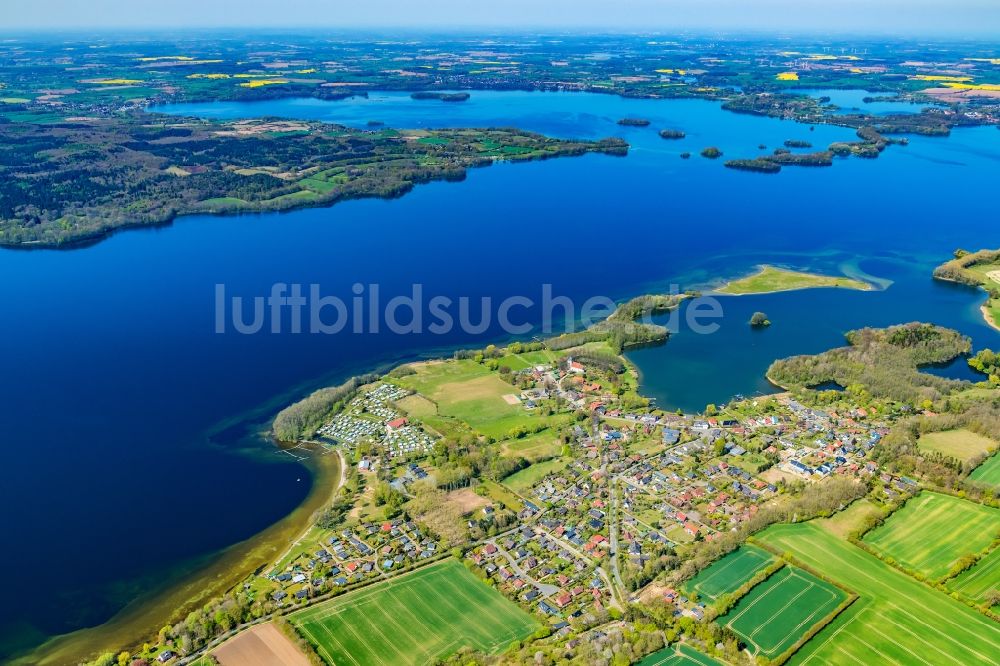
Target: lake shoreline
{"x":959,"y":271}
{"x":223,"y":571}
{"x":267,"y":241}
{"x":316,"y":499}
{"x":988,"y":318}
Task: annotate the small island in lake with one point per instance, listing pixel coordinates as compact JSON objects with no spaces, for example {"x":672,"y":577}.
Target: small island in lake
{"x":760,"y":164}
{"x":711,"y":153}
{"x":871,"y":145}
{"x":442,"y":96}
{"x":784,"y":157}
{"x":976,"y":269}
{"x":672,"y":134}
{"x":771,"y":279}
{"x":634,"y":122}
{"x":759,"y":320}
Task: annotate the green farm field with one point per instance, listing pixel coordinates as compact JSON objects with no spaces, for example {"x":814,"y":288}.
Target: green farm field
{"x":781,"y":610}
{"x":679,"y":655}
{"x":896,"y":620}
{"x":988,"y":472}
{"x":933,"y":531}
{"x":978,"y":581}
{"x":727,"y":574}
{"x":418,"y":618}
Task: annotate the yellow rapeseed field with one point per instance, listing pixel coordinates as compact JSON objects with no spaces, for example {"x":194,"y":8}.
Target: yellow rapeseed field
{"x":117,"y":82}
{"x":257,"y":83}
{"x":156,"y":58}
{"x":991,"y":87}
{"x":941,"y":77}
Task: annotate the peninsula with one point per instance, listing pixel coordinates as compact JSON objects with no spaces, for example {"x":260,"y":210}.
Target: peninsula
{"x":976,"y":269}
{"x":52,"y":194}
{"x":771,"y":279}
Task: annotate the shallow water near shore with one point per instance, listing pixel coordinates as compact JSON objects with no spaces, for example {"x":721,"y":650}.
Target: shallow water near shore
{"x":115,"y":380}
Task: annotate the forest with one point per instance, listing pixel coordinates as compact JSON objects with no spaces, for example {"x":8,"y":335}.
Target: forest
{"x":883,"y":362}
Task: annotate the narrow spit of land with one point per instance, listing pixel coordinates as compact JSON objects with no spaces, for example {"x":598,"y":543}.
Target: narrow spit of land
{"x":771,"y":279}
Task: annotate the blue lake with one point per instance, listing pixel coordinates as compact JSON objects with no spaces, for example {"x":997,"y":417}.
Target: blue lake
{"x":854,"y":101}
{"x":115,"y":381}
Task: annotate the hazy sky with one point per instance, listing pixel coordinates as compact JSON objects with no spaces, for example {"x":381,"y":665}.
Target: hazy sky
{"x":978,"y":18}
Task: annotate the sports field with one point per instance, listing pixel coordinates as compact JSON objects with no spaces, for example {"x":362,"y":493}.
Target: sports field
{"x":933,"y":531}
{"x":782,"y":609}
{"x":896,"y":621}
{"x":962,"y":444}
{"x":418,"y":618}
{"x":988,"y":472}
{"x":678,"y":655}
{"x":979,"y":580}
{"x":727,"y":574}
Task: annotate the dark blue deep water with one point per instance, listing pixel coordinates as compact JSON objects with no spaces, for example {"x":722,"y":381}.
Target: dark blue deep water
{"x":114,"y":380}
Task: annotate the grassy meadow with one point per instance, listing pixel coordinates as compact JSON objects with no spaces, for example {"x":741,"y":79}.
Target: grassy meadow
{"x":962,"y":444}
{"x":522,"y":481}
{"x":502,"y":495}
{"x":538,"y":446}
{"x":469,"y":392}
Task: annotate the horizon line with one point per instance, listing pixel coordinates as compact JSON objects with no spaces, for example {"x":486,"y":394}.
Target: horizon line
{"x":486,"y":30}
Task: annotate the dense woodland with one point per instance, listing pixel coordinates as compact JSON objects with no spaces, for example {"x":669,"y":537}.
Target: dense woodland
{"x":880,"y":362}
